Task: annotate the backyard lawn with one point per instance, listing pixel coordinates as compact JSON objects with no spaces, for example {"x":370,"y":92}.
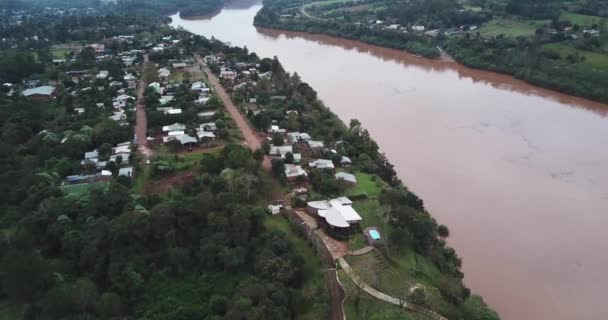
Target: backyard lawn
{"x":9,"y":310}
{"x":59,"y":53}
{"x":581,"y":19}
{"x":367,"y":184}
{"x":593,"y":59}
{"x":510,"y":28}
{"x":79,"y":189}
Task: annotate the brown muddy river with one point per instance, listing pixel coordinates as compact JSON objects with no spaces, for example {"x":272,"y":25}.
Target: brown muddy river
{"x":518,"y":173}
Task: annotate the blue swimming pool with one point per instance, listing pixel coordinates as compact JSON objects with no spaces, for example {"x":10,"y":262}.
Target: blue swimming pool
{"x":374,"y":234}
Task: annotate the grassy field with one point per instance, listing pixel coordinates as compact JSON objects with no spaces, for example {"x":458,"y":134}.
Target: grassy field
{"x":510,"y":28}
{"x":9,"y":311}
{"x":357,"y":241}
{"x":370,"y":212}
{"x":581,"y":19}
{"x":60,"y":50}
{"x":417,"y":266}
{"x":593,"y":59}
{"x":60,"y":53}
{"x":366,"y":184}
{"x":370,"y":187}
{"x":472,"y":8}
{"x":79,"y":189}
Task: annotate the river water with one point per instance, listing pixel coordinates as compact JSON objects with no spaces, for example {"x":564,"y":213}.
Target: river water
{"x":518,"y":173}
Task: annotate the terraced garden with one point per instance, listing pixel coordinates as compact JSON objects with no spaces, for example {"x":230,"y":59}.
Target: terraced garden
{"x":378,"y":272}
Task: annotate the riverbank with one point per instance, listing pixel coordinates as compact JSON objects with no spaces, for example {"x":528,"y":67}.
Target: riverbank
{"x":541,"y":66}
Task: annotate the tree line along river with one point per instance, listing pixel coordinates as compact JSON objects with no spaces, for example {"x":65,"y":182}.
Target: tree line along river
{"x":518,"y":173}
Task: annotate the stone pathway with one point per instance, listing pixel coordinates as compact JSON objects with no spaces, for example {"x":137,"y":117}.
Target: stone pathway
{"x":362,"y":251}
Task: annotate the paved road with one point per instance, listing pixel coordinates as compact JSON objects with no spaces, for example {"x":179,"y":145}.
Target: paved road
{"x":141,"y":121}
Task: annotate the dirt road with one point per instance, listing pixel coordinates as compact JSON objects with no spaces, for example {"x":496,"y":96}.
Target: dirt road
{"x":141,"y":121}
{"x":251,"y":139}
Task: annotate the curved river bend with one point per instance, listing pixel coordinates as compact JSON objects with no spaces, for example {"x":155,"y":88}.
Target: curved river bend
{"x":518,"y":173}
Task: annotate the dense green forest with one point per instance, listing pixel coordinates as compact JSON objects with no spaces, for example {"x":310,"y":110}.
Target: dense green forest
{"x":186,"y":7}
{"x":557,"y":44}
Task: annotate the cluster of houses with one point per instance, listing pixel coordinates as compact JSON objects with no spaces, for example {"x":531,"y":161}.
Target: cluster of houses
{"x":207,"y":128}
{"x":419,"y":29}
{"x":297,"y":144}
{"x":110,"y":94}
{"x":337,"y":213}
{"x":301,"y":152}
{"x":97,"y":165}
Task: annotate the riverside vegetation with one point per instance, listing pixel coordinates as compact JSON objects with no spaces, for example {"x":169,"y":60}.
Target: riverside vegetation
{"x":206,"y":248}
{"x":557,"y":44}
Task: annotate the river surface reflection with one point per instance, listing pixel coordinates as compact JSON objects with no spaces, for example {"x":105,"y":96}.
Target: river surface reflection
{"x":518,"y":173}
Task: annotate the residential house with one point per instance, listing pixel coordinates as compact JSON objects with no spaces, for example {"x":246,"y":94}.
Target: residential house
{"x":163,"y":74}
{"x":180,"y":66}
{"x":338,"y":213}
{"x":345,"y":161}
{"x":280,"y":151}
{"x":322,"y":164}
{"x":102,"y":75}
{"x":292,"y":172}
{"x":315,"y":146}
{"x":201,"y":101}
{"x":99,"y":48}
{"x":43,"y":93}
{"x":348,"y":178}
{"x":206,"y":114}
{"x":174,"y":127}
{"x":208,"y":126}
{"x":418,"y":28}
{"x":156,"y":86}
{"x":227,"y":74}
{"x":295,"y":137}
{"x":126,"y":172}
{"x":165,"y":99}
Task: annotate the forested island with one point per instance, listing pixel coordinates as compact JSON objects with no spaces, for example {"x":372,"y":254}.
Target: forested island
{"x":556,"y":44}
{"x":195,"y":219}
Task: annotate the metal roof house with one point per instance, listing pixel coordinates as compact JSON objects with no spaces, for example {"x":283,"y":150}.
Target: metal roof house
{"x":43,"y":93}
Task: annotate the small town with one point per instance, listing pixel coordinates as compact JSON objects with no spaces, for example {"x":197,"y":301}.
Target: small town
{"x":173,"y":159}
{"x":142,"y":118}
